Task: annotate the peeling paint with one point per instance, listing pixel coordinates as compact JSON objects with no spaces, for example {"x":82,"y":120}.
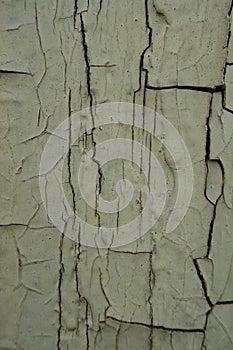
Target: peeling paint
{"x":163,"y":291}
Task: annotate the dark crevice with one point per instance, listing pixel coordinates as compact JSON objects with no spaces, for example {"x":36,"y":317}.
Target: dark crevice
{"x":4,"y":71}
{"x":13,"y":224}
{"x":70,"y":153}
{"x":88,"y":69}
{"x":225,"y":66}
{"x":100,"y":181}
{"x":182,"y":330}
{"x":141,"y":69}
{"x":107,"y":65}
{"x":224,"y":96}
{"x":38,"y":117}
{"x":19,"y":257}
{"x":104,"y":293}
{"x":171,"y":343}
{"x":61,"y":270}
{"x":205,"y":326}
{"x":206,"y":182}
{"x":65,"y":64}
{"x":127,"y":252}
{"x":228,"y":110}
{"x":55,"y":15}
{"x":40,"y":41}
{"x":222,"y":90}
{"x":207,"y":159}
{"x":98,"y":13}
{"x":211,"y":228}
{"x":87,"y":325}
{"x":75,"y":12}
{"x":210,"y":90}
{"x":82,"y":299}
{"x":117,"y":337}
{"x":227,"y":302}
{"x":203,"y":282}
{"x":88,"y":76}
{"x":151,"y":285}
{"x":77,"y":249}
{"x":45,"y":67}
{"x":208,"y":133}
{"x":223,"y":174}
{"x":78,"y":12}
{"x":230,"y":9}
{"x":100,"y":174}
{"x":117,"y":217}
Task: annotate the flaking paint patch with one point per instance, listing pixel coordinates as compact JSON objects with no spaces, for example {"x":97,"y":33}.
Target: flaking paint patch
{"x":167,"y":292}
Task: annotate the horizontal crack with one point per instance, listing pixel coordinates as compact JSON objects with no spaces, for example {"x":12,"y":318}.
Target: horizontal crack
{"x":128,"y":252}
{"x":103,"y":65}
{"x":218,"y":88}
{"x":183,"y":330}
{"x":227,"y":302}
{"x":3,"y":71}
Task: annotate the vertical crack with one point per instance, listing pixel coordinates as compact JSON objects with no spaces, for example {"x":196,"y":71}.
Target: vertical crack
{"x":87,"y":326}
{"x":207,"y":159}
{"x":224,"y":107}
{"x":203,"y":346}
{"x":39,"y":37}
{"x":203,"y":282}
{"x":151,"y":286}
{"x":38,"y":117}
{"x":208,"y":132}
{"x":88,"y":79}
{"x":211,"y":228}
{"x":141,"y":69}
{"x":214,"y":205}
{"x":60,"y":292}
{"x":61,"y":270}
{"x":55,"y":15}
{"x":98,"y":13}
{"x":230,"y":10}
{"x":76,"y":255}
{"x":70,"y":153}
{"x":88,"y":68}
{"x":75,"y":12}
{"x":65,"y":64}
{"x":82,"y":299}
{"x":117,"y":336}
{"x":77,"y":249}
{"x":45,"y":63}
{"x":171,"y":342}
{"x":104,"y":293}
{"x":19,"y":257}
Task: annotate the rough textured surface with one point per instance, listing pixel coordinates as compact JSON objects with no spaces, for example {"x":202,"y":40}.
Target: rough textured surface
{"x":168,"y":292}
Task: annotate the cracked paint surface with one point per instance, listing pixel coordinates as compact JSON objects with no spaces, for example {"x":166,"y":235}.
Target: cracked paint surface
{"x":163,"y":291}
